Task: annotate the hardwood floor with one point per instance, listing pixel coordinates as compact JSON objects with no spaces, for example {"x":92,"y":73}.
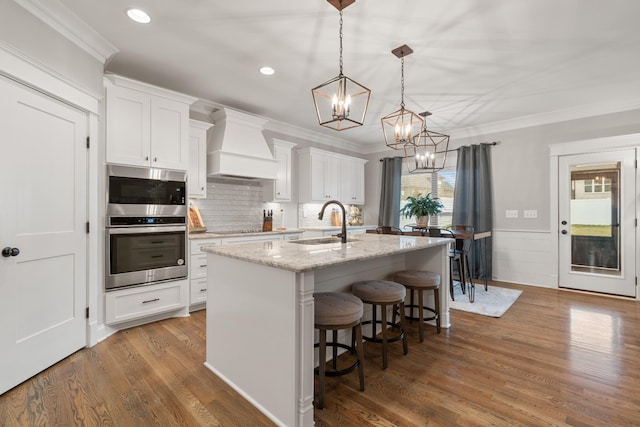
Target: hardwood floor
{"x":555,"y":358}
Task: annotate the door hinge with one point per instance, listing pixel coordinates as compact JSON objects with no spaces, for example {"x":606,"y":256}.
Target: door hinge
{"x":88,"y":141}
{"x":88,"y":227}
{"x":87,"y":312}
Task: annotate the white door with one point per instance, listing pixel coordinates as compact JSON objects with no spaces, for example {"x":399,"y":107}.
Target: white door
{"x":597,"y":222}
{"x":42,"y":232}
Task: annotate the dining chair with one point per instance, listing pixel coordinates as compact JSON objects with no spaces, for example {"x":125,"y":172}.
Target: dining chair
{"x":463,"y":235}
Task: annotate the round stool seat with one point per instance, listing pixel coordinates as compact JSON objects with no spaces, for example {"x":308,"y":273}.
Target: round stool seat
{"x":418,"y":279}
{"x":336,"y":308}
{"x":379,"y":291}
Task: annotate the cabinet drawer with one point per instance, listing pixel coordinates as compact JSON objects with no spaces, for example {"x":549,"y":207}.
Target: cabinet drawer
{"x":129,"y":304}
{"x":198,"y":291}
{"x":198,"y":266}
{"x":196,"y":245}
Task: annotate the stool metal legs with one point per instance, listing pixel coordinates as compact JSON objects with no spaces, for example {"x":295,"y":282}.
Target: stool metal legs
{"x":356,"y":345}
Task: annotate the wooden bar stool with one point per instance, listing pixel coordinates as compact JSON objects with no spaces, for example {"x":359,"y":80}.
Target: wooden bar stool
{"x":383,"y":293}
{"x":334,"y":311}
{"x":420,"y":281}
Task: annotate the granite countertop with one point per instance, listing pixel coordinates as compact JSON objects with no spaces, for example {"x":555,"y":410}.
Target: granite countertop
{"x":221,"y":235}
{"x":299,"y":257}
{"x":338,"y":227}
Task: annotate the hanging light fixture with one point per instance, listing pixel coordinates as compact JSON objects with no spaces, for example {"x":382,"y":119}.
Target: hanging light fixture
{"x":341,"y":103}
{"x":428,"y":153}
{"x":400,"y":126}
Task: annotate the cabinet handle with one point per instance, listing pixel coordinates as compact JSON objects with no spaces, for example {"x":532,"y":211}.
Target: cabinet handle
{"x":203,"y":290}
{"x":151,"y":300}
{"x":146,"y":158}
{"x":278,"y":193}
{"x":155,"y":159}
{"x":203,"y":266}
{"x":202,"y":188}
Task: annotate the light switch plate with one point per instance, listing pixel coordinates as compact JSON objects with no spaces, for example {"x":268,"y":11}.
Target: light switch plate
{"x":511,"y":213}
{"x":530,"y":213}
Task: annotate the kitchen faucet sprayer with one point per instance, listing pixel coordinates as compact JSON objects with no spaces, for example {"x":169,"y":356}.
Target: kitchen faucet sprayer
{"x":343,"y":234}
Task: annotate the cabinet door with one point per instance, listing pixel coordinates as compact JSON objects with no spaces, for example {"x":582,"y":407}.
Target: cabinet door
{"x":197,"y":186}
{"x":352,"y":181}
{"x":127,"y":126}
{"x":317,"y":178}
{"x":331,"y":175}
{"x":282,"y":190}
{"x":169,"y":134}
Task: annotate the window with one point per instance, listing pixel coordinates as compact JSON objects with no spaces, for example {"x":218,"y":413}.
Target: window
{"x":597,"y":185}
{"x":440,"y":184}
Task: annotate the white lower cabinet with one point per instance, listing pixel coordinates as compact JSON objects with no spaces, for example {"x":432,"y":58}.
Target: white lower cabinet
{"x":198,"y":258}
{"x":135,"y":303}
{"x":198,"y":272}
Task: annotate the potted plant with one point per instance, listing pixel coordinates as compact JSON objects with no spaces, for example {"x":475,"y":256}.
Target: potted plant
{"x":422,"y":208}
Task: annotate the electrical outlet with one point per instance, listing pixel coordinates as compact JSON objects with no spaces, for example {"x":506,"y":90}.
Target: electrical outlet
{"x":511,"y":213}
{"x":530,"y":213}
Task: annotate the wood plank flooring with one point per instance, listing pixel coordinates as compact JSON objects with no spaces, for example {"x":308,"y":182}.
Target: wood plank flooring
{"x":556,"y":358}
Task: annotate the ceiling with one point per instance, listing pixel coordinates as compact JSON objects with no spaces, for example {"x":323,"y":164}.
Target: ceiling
{"x":475,"y":63}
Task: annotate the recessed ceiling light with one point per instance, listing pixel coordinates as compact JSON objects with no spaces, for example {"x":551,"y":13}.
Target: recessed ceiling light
{"x":267,"y":71}
{"x":139,"y":16}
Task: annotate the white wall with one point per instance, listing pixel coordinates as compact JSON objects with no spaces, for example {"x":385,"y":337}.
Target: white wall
{"x":33,"y":38}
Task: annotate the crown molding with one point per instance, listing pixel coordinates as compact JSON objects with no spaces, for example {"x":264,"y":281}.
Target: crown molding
{"x":580,"y":112}
{"x":68,"y":24}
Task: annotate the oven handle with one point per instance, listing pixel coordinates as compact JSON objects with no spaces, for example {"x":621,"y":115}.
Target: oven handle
{"x":145,"y":230}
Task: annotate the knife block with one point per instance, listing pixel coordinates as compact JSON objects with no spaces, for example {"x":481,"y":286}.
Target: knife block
{"x":267,"y":223}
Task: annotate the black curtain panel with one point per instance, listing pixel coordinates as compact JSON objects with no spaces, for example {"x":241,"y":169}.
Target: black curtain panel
{"x":389,"y":214}
{"x":473,"y":201}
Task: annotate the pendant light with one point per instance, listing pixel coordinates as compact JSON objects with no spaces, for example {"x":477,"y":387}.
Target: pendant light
{"x":428,"y":153}
{"x":400,"y":126}
{"x":341,"y":103}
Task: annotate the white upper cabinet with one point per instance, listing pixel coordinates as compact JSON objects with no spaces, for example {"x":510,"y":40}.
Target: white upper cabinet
{"x":197,"y":173}
{"x":352,"y":180}
{"x":279,"y":189}
{"x":325,"y":176}
{"x":146,"y":125}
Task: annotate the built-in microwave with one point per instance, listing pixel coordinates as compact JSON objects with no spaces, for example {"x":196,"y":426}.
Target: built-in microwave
{"x":145,"y":192}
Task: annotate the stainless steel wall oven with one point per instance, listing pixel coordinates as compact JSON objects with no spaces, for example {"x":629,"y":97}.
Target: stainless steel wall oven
{"x":146,"y":226}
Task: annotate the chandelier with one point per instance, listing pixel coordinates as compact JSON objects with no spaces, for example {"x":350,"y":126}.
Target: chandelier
{"x":400,"y":126}
{"x":428,"y":153}
{"x":341,"y":103}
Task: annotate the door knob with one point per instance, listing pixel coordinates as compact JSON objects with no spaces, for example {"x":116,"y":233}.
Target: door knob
{"x":564,"y":231}
{"x":7,"y":252}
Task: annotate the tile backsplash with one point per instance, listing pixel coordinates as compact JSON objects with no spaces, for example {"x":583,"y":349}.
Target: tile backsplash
{"x":235,"y":205}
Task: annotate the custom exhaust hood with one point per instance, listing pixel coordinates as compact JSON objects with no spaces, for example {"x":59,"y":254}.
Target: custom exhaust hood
{"x":237,"y":149}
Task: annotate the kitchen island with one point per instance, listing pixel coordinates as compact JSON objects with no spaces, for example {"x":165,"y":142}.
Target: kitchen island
{"x":260,"y":330}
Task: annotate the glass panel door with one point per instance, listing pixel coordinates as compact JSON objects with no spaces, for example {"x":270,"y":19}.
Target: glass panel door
{"x":597,"y":222}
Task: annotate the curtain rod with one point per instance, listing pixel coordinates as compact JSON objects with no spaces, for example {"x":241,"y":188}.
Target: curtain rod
{"x":455,"y":149}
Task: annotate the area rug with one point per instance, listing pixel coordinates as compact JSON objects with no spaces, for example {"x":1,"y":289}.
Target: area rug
{"x":494,"y":302}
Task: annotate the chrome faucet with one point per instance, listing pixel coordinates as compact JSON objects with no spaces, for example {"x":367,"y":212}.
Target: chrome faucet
{"x":343,"y":234}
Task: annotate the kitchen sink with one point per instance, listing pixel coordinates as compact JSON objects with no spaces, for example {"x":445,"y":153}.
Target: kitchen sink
{"x":321,"y":240}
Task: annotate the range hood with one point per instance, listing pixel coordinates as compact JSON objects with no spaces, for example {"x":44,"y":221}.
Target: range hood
{"x":237,"y":149}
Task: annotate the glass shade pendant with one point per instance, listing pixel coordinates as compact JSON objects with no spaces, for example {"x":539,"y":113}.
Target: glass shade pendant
{"x":428,"y":153}
{"x":400,"y":126}
{"x":341,"y":103}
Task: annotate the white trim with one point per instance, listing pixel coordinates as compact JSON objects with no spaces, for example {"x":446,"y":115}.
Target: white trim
{"x":147,"y":88}
{"x":595,"y":145}
{"x":509,"y":230}
{"x":580,"y":112}
{"x":31,"y":72}
{"x":68,"y":24}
